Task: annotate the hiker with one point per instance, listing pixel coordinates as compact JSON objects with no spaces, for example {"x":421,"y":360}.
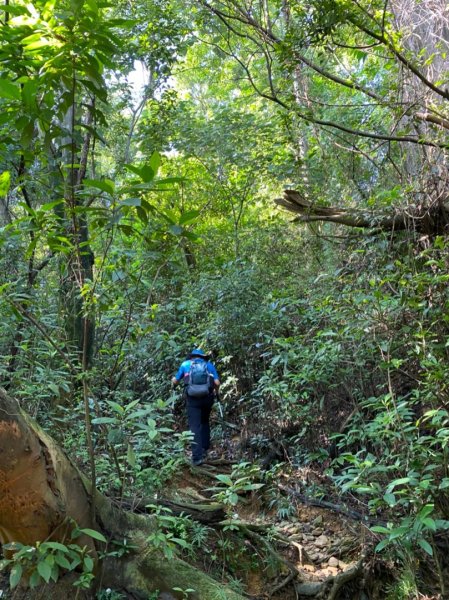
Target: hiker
{"x":200,"y":380}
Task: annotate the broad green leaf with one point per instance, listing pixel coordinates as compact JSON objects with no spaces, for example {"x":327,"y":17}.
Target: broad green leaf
{"x":181,"y":542}
{"x":398,"y":532}
{"x":142,"y":214}
{"x":139,"y":413}
{"x":430,"y":523}
{"x":390,"y":499}
{"x":115,"y":436}
{"x":131,"y":202}
{"x":233,"y":499}
{"x":29,"y":39}
{"x":442,"y":524}
{"x":426,"y":511}
{"x":131,"y":456}
{"x":41,"y":43}
{"x":4,"y":563}
{"x":132,"y":404}
{"x":55,"y":572}
{"x":425,"y":546}
{"x":62,"y":561}
{"x":13,"y":546}
{"x":252,"y":486}
{"x":188,"y":217}
{"x":118,"y":276}
{"x":44,"y":570}
{"x":56,"y":546}
{"x":224,"y":479}
{"x":191,"y":236}
{"x":96,"y":535}
{"x":9,"y":90}
{"x":15,"y":575}
{"x":50,"y":205}
{"x":396,"y":482}
{"x":380,"y":529}
{"x":88,"y":563}
{"x":14,"y":9}
{"x":133,"y":169}
{"x":50,"y":559}
{"x":5,"y":182}
{"x":170,"y":216}
{"x":92,"y":5}
{"x":381,"y":545}
{"x":105,"y":185}
{"x":147,"y":173}
{"x":104,"y":420}
{"x":29,"y":91}
{"x":115,"y":406}
{"x":75,"y":562}
{"x":35,"y":579}
{"x":155,"y":162}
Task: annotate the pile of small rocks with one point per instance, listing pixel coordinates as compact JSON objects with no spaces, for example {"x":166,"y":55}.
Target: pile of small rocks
{"x":320,"y":547}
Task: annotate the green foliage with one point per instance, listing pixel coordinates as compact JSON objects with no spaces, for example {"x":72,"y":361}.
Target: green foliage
{"x":241,"y":481}
{"x":151,"y":217}
{"x":406,"y":587}
{"x":185,"y":592}
{"x":47,"y":560}
{"x":119,"y":548}
{"x":170,"y":533}
{"x":141,"y":440}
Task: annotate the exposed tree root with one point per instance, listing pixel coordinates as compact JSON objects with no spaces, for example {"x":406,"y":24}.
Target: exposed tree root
{"x":204,"y":512}
{"x":41,"y":492}
{"x":248,"y":529}
{"x":351,"y":514}
{"x":277,"y":588}
{"x":330,"y":587}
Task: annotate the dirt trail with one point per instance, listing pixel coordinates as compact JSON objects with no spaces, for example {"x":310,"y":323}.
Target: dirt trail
{"x":321,"y":548}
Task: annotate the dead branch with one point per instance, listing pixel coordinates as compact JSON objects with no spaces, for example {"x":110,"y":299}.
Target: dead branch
{"x":309,"y":212}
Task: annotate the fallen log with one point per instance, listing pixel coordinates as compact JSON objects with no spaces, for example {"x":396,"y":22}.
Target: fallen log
{"x":429,"y":220}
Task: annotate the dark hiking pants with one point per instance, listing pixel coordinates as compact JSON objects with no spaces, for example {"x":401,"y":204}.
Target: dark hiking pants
{"x":198,"y":412}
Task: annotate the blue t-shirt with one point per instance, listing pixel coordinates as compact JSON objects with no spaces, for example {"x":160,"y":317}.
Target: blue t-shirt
{"x":184,"y":369}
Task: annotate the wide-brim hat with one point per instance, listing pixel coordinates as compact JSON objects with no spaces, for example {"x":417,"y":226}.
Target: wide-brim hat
{"x":198,"y":352}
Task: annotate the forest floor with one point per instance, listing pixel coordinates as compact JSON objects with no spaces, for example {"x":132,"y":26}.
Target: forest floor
{"x":300,"y":556}
{"x":307,"y":548}
{"x":316,"y":549}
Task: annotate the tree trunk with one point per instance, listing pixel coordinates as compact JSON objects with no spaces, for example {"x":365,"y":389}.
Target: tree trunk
{"x":42,"y":494}
{"x":39,"y":488}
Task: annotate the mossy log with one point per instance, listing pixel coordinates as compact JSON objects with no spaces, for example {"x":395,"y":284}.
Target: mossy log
{"x":206,"y":512}
{"x":42,"y":493}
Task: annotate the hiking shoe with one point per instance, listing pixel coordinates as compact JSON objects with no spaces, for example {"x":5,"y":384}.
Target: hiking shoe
{"x":197,"y":463}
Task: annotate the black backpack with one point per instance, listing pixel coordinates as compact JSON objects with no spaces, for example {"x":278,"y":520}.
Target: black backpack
{"x":198,"y":383}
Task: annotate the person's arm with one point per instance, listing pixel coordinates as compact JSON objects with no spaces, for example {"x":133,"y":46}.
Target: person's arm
{"x":179,"y":375}
{"x":213,"y":371}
